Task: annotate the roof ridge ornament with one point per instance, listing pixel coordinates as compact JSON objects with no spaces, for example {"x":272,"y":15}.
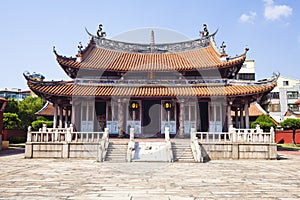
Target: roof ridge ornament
{"x":205,"y":32}
{"x":101,"y":33}
{"x":223,"y":46}
{"x":80,"y":48}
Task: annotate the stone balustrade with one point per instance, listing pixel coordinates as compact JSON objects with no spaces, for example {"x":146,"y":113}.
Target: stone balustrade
{"x":64,"y":135}
{"x":238,"y":135}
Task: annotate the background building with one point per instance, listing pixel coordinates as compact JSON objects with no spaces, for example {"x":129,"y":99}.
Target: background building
{"x":15,"y":93}
{"x":283,"y":98}
{"x":247,"y":71}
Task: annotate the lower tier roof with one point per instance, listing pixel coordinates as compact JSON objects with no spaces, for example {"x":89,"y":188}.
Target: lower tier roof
{"x":106,"y":90}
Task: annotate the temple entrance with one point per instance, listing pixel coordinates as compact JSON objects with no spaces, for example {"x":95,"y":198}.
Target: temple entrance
{"x":87,"y":116}
{"x":190,"y":117}
{"x":168,"y":116}
{"x":215,"y":117}
{"x":100,"y":108}
{"x":112,"y":122}
{"x":134,"y":117}
{"x":151,"y":117}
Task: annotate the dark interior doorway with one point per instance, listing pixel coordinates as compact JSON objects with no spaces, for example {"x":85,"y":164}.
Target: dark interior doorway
{"x":151,"y":118}
{"x":100,"y":108}
{"x":203,"y":108}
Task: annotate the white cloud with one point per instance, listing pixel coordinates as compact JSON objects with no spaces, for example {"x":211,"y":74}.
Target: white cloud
{"x":274,"y":12}
{"x":248,"y":18}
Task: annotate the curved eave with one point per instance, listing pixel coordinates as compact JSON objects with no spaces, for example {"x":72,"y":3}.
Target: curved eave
{"x":109,"y":55}
{"x":108,"y":60}
{"x":69,"y":89}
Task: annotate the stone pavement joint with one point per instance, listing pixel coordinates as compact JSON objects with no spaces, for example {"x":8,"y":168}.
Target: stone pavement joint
{"x":87,"y":179}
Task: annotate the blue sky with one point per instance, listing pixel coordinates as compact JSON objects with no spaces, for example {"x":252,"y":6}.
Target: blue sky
{"x":29,"y":30}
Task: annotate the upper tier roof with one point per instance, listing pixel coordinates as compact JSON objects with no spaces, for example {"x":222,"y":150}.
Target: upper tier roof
{"x":109,"y":55}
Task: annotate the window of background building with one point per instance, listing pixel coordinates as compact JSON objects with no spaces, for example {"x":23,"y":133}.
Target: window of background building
{"x":274,"y":108}
{"x":274,"y":95}
{"x":246,"y":76}
{"x":285,"y":83}
{"x":293,"y":107}
{"x":292,"y":94}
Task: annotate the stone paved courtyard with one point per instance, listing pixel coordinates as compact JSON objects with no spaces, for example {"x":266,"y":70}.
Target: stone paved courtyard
{"x":87,"y":179}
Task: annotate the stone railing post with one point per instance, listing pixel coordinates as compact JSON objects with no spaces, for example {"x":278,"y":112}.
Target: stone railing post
{"x":29,"y":134}
{"x":193,"y":134}
{"x":44,"y":128}
{"x":130,"y":146}
{"x":167,"y":133}
{"x":131,"y":134}
{"x":232,"y":132}
{"x":196,"y":149}
{"x":260,"y":133}
{"x":71,"y":128}
{"x":105,"y":135}
{"x":68,"y":135}
{"x":272,"y":135}
{"x":103,"y":146}
{"x":168,"y":145}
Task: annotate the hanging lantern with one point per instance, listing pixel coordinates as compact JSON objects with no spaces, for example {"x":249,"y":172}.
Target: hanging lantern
{"x":168,"y":105}
{"x":134,"y":105}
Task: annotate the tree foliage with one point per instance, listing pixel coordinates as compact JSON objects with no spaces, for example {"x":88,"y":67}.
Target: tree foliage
{"x":11,"y":121}
{"x":290,"y":123}
{"x":25,"y":111}
{"x":264,"y":121}
{"x":39,"y":123}
{"x":12,"y":106}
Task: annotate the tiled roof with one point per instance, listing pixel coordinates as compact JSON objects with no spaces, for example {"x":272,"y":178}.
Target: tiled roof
{"x":3,"y":99}
{"x":106,"y":90}
{"x":48,"y":110}
{"x":255,"y":110}
{"x":297,"y":102}
{"x":101,"y":58}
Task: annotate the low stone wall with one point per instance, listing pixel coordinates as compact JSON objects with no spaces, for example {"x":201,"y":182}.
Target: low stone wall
{"x":217,"y":151}
{"x":210,"y":151}
{"x":13,"y":133}
{"x":286,"y":137}
{"x":62,"y":150}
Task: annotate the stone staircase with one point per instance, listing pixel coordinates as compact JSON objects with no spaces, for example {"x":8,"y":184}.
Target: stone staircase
{"x":182,"y":151}
{"x":116,"y":152}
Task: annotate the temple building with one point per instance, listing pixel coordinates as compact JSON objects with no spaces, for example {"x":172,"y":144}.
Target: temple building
{"x":148,"y":87}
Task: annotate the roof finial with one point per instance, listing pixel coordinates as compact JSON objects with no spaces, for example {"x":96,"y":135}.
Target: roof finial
{"x":80,"y":48}
{"x":205,"y":31}
{"x":223,"y":46}
{"x":152,"y":40}
{"x":101,"y":33}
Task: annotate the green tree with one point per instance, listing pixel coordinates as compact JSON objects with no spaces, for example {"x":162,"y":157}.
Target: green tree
{"x":12,"y":106}
{"x":39,"y":123}
{"x":11,"y":121}
{"x":27,"y":109}
{"x":264,"y":121}
{"x":291,"y":124}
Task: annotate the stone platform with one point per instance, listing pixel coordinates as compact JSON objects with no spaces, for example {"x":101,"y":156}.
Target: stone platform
{"x":87,"y":179}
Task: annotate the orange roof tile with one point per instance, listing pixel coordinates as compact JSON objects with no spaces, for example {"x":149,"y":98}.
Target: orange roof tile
{"x":254,"y":110}
{"x":102,"y":58}
{"x":71,"y":89}
{"x":48,"y":110}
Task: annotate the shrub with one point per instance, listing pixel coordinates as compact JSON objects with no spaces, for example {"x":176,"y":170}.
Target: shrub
{"x":36,"y":125}
{"x":264,"y":121}
{"x":11,"y":121}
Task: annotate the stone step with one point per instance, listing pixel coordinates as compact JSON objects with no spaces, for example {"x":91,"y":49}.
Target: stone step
{"x":116,"y":152}
{"x":182,"y":152}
